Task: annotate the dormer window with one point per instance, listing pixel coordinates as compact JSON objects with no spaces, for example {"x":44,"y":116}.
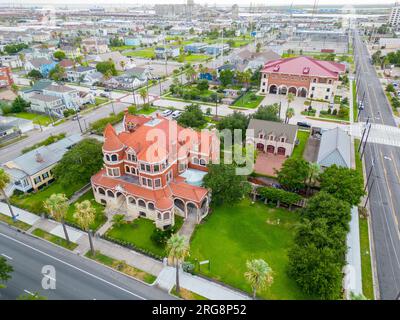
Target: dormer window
{"x":283,"y":139}
{"x":261,"y":136}
{"x":132,"y":157}
{"x":271,"y":137}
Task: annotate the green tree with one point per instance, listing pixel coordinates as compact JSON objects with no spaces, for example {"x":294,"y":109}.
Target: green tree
{"x":85,"y":215}
{"x":313,"y":175}
{"x":258,"y":275}
{"x":390,"y":88}
{"x":226,"y":77}
{"x":59,"y":55}
{"x":15,"y":48}
{"x":143,"y":94}
{"x":79,"y":163}
{"x":293,"y":174}
{"x":178,"y":250}
{"x":202,"y":85}
{"x":343,"y":183}
{"x":225,"y":184}
{"x":118,"y":220}
{"x":57,"y":73}
{"x":35,"y":74}
{"x":289,"y":114}
{"x":316,"y":271}
{"x":57,"y":207}
{"x":258,"y":47}
{"x":106,"y":66}
{"x":323,"y":205}
{"x":193,"y":117}
{"x":4,"y":181}
{"x":19,"y":105}
{"x":190,"y":74}
{"x":269,"y":113}
{"x":5,"y":271}
{"x":235,"y":120}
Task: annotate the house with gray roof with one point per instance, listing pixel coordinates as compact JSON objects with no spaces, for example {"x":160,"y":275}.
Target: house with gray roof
{"x":32,"y":170}
{"x":335,"y":148}
{"x":272,"y":137}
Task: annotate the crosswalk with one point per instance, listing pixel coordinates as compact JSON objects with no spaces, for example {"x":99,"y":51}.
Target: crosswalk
{"x":380,"y":134}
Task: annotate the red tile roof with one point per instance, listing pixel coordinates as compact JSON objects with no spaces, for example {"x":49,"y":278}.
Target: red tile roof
{"x":111,"y":141}
{"x":305,"y":66}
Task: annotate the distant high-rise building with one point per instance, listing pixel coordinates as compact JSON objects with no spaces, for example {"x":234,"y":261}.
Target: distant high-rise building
{"x":235,"y":11}
{"x":394,"y":19}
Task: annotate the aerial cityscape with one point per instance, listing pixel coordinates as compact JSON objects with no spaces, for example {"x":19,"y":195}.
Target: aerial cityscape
{"x":194,"y":150}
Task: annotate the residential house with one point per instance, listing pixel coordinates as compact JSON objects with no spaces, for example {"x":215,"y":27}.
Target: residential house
{"x":172,"y":52}
{"x":216,"y":49}
{"x":8,"y":132}
{"x":41,"y":37}
{"x":66,"y":64}
{"x":130,"y":41}
{"x":335,"y":148}
{"x":71,"y":51}
{"x":195,"y":47}
{"x":33,"y":170}
{"x":272,"y":137}
{"x":44,"y":66}
{"x":22,"y":125}
{"x":48,"y":104}
{"x":69,"y":96}
{"x":80,"y":73}
{"x":11,"y":61}
{"x":155,"y":179}
{"x":302,"y":76}
{"x":95,"y":46}
{"x":249,"y":60}
{"x":6,"y":79}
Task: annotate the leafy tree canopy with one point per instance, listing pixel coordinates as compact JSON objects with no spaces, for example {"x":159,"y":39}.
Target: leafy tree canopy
{"x":293,"y":174}
{"x":269,"y":113}
{"x":192,"y":117}
{"x":107,"y":67}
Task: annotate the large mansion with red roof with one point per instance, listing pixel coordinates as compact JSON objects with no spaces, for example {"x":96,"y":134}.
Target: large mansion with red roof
{"x":302,"y":76}
{"x":154,"y":169}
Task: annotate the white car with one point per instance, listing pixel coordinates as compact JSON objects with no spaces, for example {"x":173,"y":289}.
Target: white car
{"x":166,"y":113}
{"x":176,"y":114}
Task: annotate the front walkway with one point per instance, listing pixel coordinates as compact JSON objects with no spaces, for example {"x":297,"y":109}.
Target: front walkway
{"x":165,"y":275}
{"x":201,"y":286}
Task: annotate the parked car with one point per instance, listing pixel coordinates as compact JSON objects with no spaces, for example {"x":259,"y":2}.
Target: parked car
{"x":304,"y":125}
{"x":107,"y":90}
{"x":176,"y":114}
{"x":166,"y":113}
{"x":361,"y":105}
{"x":104,"y":95}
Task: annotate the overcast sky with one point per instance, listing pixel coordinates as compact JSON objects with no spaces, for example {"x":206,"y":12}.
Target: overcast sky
{"x":210,"y":2}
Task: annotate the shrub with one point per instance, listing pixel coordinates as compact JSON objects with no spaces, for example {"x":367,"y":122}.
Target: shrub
{"x":334,"y":112}
{"x":188,"y":267}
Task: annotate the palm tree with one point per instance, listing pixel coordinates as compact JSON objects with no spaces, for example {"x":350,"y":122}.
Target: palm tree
{"x":4,"y":181}
{"x":289,"y":114}
{"x":190,"y":74}
{"x":57,"y":206}
{"x":247,"y":78}
{"x":177,"y":249}
{"x":289,"y":98}
{"x":258,"y":275}
{"x":85,"y":214}
{"x":143,"y":94}
{"x":314,"y":171}
{"x":122,"y":64}
{"x":22,"y":59}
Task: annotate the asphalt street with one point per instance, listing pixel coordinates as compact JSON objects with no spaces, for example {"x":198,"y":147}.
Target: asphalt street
{"x":384,"y":185}
{"x":75,"y":277}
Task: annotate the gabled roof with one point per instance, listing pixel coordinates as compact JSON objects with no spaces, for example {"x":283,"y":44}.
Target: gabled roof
{"x":335,"y":149}
{"x":277,"y":128}
{"x":305,"y":66}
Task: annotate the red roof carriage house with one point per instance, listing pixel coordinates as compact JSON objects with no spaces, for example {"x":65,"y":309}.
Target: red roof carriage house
{"x":154,"y":169}
{"x":302,"y":76}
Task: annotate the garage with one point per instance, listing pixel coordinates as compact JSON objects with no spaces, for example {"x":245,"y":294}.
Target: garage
{"x":260,"y":147}
{"x":281,"y":151}
{"x":270,"y":149}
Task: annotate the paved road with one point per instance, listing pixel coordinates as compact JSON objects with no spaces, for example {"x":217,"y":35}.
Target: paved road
{"x":385,"y":190}
{"x":76,"y":277}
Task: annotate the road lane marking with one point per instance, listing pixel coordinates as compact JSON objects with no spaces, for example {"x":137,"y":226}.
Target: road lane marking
{"x":72,"y":266}
{"x":7,"y":257}
{"x":28,"y":292}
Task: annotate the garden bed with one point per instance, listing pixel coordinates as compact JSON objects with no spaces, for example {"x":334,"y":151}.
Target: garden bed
{"x":18,"y":224}
{"x":186,"y":294}
{"x":54,"y":239}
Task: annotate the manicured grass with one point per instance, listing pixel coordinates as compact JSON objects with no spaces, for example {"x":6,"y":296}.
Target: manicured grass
{"x":298,"y":151}
{"x":234,"y":234}
{"x":54,"y":239}
{"x":355,"y":106}
{"x":138,"y":233}
{"x":187,"y":294}
{"x":337,"y":99}
{"x":145,"y":53}
{"x":100,"y":216}
{"x":196,"y":57}
{"x":50,"y":140}
{"x":122,"y":48}
{"x":18,"y":224}
{"x":147,"y":111}
{"x":246,"y":102}
{"x":366,"y":269}
{"x":41,"y":119}
{"x":33,"y":202}
{"x":122,"y":267}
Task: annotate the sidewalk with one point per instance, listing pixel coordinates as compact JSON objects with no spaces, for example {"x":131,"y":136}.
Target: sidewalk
{"x":165,"y":275}
{"x":201,"y":286}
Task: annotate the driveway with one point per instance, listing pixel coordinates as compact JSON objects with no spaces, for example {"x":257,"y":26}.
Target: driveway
{"x":267,"y":163}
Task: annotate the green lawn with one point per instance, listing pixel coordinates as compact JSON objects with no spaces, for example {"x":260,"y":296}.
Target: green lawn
{"x":100,"y":216}
{"x":366,"y":269}
{"x":18,"y":224}
{"x":298,"y":151}
{"x":186,"y":294}
{"x":355,"y":106}
{"x":246,"y":102}
{"x":145,"y":53}
{"x":122,"y":48}
{"x":55,"y":239}
{"x":196,"y":57}
{"x":138,"y":233}
{"x":41,"y":119}
{"x":235,"y":234}
{"x":33,"y":202}
{"x":122,"y":267}
{"x":147,"y":111}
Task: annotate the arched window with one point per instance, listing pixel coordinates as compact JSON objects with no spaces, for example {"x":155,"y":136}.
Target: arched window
{"x":101,"y":191}
{"x":159,"y":216}
{"x":195,"y":160}
{"x":166,"y":216}
{"x":114,"y":158}
{"x":110,"y":194}
{"x":142,"y":204}
{"x":132,"y":200}
{"x":127,"y":169}
{"x":150,"y":206}
{"x":107,"y":157}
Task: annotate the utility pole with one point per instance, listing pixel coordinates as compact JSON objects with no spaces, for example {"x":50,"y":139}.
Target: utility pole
{"x":365,"y":142}
{"x":369,"y":193}
{"x":362,"y":137}
{"x":79,"y":121}
{"x":369,"y":175}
